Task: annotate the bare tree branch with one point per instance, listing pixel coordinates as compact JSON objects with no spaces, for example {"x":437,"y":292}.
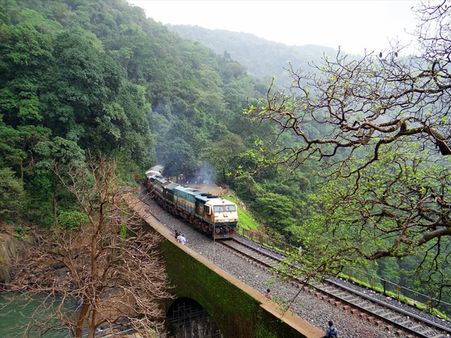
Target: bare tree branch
{"x":109,"y":267}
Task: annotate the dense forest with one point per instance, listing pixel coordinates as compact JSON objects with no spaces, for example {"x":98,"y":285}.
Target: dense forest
{"x":81,"y":78}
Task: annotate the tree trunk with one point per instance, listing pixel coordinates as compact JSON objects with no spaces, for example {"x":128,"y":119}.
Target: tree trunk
{"x":21,"y":171}
{"x":55,"y":208}
{"x":92,"y":325}
{"x":81,"y":319}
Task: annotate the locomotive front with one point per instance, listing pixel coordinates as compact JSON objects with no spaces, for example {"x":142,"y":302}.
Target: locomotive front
{"x":223,"y":215}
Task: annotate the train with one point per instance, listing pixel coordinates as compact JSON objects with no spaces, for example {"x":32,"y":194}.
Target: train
{"x":212,"y":215}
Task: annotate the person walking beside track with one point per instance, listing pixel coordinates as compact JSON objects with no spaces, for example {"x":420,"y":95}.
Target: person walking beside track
{"x":181,"y":239}
{"x":331,"y":331}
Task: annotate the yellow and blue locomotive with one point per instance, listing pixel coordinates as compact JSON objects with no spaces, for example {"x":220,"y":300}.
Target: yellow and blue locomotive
{"x":212,"y":215}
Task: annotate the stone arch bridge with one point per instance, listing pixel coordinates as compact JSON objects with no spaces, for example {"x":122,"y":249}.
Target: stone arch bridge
{"x":205,"y":291}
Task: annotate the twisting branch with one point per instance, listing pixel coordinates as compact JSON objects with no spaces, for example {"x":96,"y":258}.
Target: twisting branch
{"x":380,"y":126}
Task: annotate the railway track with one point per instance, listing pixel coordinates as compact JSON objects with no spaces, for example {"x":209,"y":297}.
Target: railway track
{"x":382,"y":313}
{"x":357,"y":302}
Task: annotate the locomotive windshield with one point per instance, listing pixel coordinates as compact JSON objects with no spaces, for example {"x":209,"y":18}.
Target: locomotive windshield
{"x":224,"y":208}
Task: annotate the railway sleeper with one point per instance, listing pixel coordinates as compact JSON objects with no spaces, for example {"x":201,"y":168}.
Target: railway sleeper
{"x":380,"y":312}
{"x":394,"y":318}
{"x":353,"y":300}
{"x":440,"y":335}
{"x":326,"y":289}
{"x":348,"y":297}
{"x":429,"y":332}
{"x":417,"y":327}
{"x":386,"y":316}
{"x":405,"y":323}
{"x":422,"y":329}
{"x":342,"y":294}
{"x":369,"y":308}
{"x":362,"y":304}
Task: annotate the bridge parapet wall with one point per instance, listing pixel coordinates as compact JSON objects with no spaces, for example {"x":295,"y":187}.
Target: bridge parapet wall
{"x":237,"y":309}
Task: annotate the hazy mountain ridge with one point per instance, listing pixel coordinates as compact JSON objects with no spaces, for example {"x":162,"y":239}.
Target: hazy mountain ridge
{"x":262,"y":58}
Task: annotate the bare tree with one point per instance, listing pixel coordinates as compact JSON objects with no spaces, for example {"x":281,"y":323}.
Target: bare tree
{"x":366,"y":107}
{"x":109,"y":267}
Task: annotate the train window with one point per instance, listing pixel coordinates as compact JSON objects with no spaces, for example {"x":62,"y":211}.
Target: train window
{"x":230,"y":207}
{"x":224,"y":208}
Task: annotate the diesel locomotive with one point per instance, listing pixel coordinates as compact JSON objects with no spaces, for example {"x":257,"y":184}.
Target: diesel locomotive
{"x":214,"y":216}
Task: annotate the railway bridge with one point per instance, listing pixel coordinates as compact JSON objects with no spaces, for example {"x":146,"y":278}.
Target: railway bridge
{"x":213,"y":301}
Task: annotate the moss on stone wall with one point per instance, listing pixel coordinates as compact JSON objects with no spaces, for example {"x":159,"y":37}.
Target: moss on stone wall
{"x":234,"y":311}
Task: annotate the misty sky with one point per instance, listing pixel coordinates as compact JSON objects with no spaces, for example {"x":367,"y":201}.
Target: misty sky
{"x":353,"y":25}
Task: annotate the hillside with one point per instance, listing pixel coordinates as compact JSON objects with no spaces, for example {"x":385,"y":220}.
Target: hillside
{"x":83,"y":77}
{"x":262,"y":58}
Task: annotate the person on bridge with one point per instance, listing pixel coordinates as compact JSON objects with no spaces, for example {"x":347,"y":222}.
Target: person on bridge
{"x":181,"y":239}
{"x":268,"y":294}
{"x":177,"y":233}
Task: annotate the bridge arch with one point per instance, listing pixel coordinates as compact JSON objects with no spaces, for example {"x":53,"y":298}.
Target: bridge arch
{"x":187,"y":318}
